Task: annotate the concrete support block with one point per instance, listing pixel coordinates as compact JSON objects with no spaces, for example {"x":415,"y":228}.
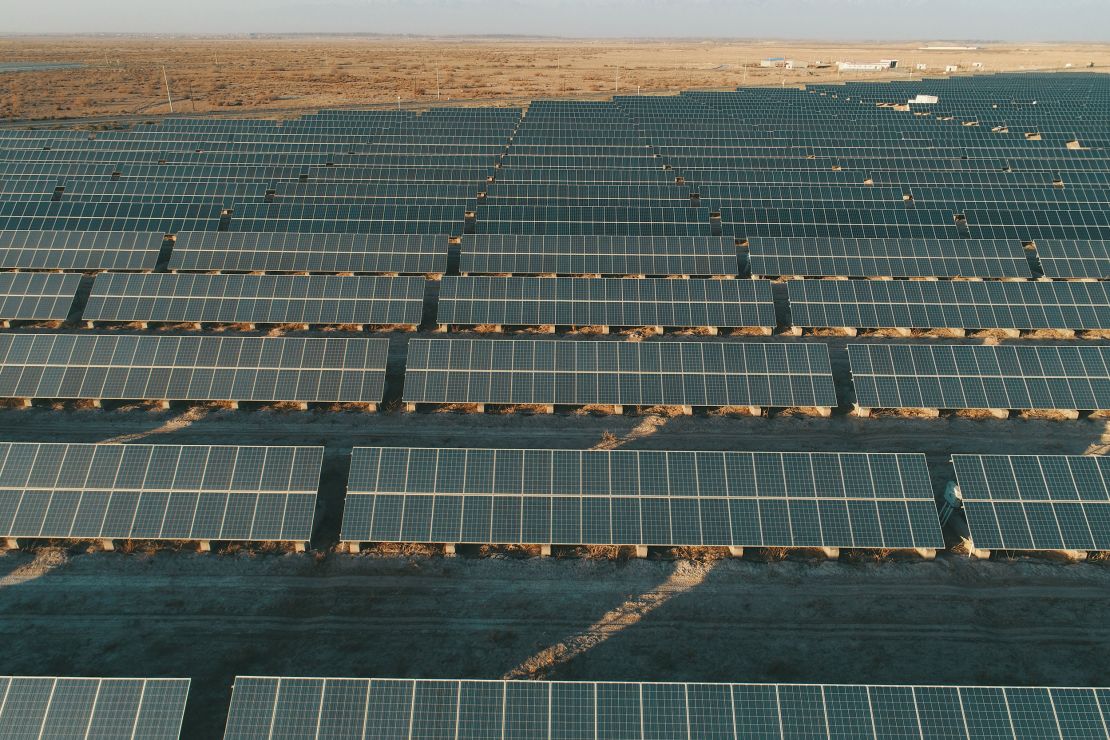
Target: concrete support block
{"x":766,"y":330}
{"x":999,"y":413}
{"x":410,"y":407}
{"x":547,"y":329}
{"x":25,"y":403}
{"x":545,"y":551}
{"x":902,"y":331}
{"x":848,"y":331}
{"x":1011,"y":333}
{"x":440,"y":329}
{"x":710,"y":330}
{"x":958,"y":332}
{"x":107,"y":545}
{"x":480,"y":408}
{"x":605,"y":330}
{"x":658,"y":330}
{"x":5,"y":324}
{"x":755,"y":410}
{"x":496,"y":328}
{"x":861,"y":412}
{"x":250,"y":327}
{"x":11,"y":543}
{"x":96,"y":403}
{"x":204,"y":546}
{"x":299,"y":546}
{"x":831,"y":553}
{"x":163,"y":404}
{"x":930,"y":413}
{"x":686,"y":410}
{"x":979,"y":553}
{"x":824,"y":411}
{"x":371,"y":407}
{"x":618,"y":409}
{"x":794,"y":331}
{"x":926,"y":553}
{"x":303,"y":406}
{"x":641,"y":551}
{"x":90,"y":324}
{"x":736,"y":552}
{"x":353,"y":548}
{"x":449,"y":550}
{"x":1068,"y":413}
{"x":547,"y":408}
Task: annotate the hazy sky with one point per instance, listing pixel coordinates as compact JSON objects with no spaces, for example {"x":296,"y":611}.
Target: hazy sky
{"x":1025,"y":20}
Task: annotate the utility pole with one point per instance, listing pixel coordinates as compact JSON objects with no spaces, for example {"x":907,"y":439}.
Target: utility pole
{"x":437,"y":83}
{"x":617,"y":81}
{"x":167,"y":81}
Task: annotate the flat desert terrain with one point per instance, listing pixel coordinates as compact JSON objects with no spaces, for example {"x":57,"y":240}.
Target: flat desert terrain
{"x":270,"y":75}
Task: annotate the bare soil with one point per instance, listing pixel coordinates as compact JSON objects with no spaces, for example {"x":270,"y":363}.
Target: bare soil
{"x":282,"y":75}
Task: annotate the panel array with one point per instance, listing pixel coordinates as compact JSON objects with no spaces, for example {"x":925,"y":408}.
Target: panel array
{"x":277,"y":299}
{"x":1063,"y":377}
{"x":597,"y":255}
{"x":296,"y":252}
{"x":400,"y":709}
{"x":536,"y":301}
{"x":1074,"y":259}
{"x":202,"y":368}
{"x":570,"y":497}
{"x":893,"y":257}
{"x":36,"y":296}
{"x":620,"y":373}
{"x":1036,"y":502}
{"x":79,"y":250}
{"x":159,"y":492}
{"x":107,"y":708}
{"x":949,"y":304}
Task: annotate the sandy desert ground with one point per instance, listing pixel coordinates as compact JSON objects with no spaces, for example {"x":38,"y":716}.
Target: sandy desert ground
{"x":280,"y":75}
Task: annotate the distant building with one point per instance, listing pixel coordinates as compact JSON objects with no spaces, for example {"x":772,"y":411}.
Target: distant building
{"x":866,"y":66}
{"x":951,"y":68}
{"x":796,"y":64}
{"x":976,"y":65}
{"x":921,"y":67}
{"x":773,"y":62}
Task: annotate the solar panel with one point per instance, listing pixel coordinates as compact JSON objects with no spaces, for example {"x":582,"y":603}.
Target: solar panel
{"x":1036,"y":502}
{"x":1074,"y":259}
{"x":276,"y":299}
{"x":915,"y":304}
{"x":108,"y":708}
{"x":1064,"y":377}
{"x":79,"y":250}
{"x":571,"y":497}
{"x":887,"y":257}
{"x":158,"y":492}
{"x":577,"y":372}
{"x":267,"y":707}
{"x":37,"y":296}
{"x":192,"y":368}
{"x":303,"y":252}
{"x":535,"y":301}
{"x":597,"y":255}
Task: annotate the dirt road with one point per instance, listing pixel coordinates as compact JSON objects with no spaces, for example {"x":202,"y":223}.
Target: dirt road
{"x":213,"y":616}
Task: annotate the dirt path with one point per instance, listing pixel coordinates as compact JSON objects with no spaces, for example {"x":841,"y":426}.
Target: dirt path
{"x":213,"y":616}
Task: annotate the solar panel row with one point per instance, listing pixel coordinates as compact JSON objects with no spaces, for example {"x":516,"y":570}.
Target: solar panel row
{"x":266,"y":707}
{"x":158,"y":492}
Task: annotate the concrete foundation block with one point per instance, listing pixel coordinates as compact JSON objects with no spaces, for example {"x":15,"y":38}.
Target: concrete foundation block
{"x":449,"y":550}
{"x":831,"y":553}
{"x":11,"y":543}
{"x":353,"y":548}
{"x":25,"y":403}
{"x":926,"y":553}
{"x":861,"y":412}
{"x":618,"y":409}
{"x":979,"y":553}
{"x":410,"y":407}
{"x":794,"y":331}
{"x":686,"y":410}
{"x":999,"y":413}
{"x":755,"y":410}
{"x":641,"y":551}
{"x":107,"y":545}
{"x":480,"y":408}
{"x":440,"y":329}
{"x":299,"y":546}
{"x":736,"y":552}
{"x":163,"y":404}
{"x":204,"y":546}
{"x":545,"y":551}
{"x":824,"y":411}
